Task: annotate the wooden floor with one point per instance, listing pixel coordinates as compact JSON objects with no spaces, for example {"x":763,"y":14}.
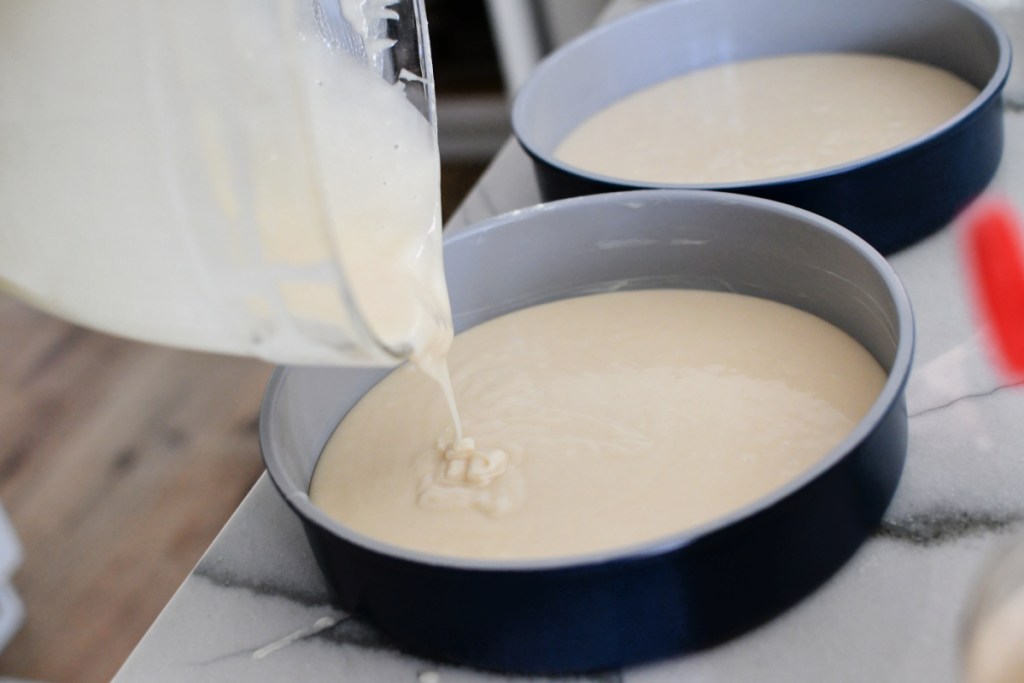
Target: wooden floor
{"x":119,"y":462}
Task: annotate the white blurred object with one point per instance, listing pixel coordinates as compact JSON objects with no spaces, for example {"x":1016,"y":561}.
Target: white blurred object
{"x":993,"y":647}
{"x":1010,"y":13}
{"x":525,"y":31}
{"x":12,"y":612}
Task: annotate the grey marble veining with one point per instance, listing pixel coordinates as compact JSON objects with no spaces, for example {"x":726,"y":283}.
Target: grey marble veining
{"x":256,"y":609}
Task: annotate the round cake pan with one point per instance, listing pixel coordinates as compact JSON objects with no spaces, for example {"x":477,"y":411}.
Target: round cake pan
{"x":650,"y":600}
{"x":890,"y":199}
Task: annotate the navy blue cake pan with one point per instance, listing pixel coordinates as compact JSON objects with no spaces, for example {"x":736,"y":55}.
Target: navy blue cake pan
{"x":651,"y":600}
{"x":891,"y":199}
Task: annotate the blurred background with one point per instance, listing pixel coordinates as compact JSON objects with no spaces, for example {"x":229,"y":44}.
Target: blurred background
{"x":119,"y":462}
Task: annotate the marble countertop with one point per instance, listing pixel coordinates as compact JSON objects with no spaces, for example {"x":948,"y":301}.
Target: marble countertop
{"x":255,"y":608}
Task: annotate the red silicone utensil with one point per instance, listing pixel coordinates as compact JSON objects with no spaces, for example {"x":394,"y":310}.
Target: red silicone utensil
{"x":995,"y":259}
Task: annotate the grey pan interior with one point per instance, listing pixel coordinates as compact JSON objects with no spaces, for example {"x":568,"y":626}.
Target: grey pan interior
{"x":630,"y":240}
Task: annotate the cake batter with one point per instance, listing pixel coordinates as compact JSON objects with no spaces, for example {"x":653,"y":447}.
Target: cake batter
{"x":766,"y":118}
{"x":595,"y":423}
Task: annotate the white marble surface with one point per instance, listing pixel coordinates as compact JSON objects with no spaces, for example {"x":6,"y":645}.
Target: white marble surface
{"x":255,"y":607}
